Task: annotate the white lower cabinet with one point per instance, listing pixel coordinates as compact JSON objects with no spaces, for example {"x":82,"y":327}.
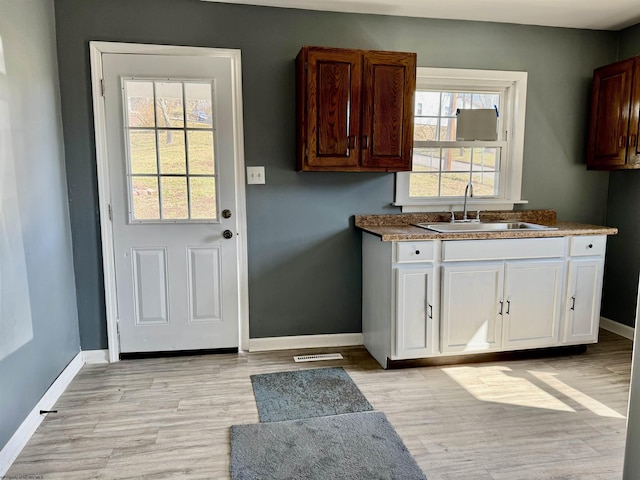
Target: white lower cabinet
{"x":436,"y":298}
{"x":584,"y":292}
{"x":470,"y":313}
{"x":501,"y":305}
{"x":532,"y":301}
{"x":414,"y":312}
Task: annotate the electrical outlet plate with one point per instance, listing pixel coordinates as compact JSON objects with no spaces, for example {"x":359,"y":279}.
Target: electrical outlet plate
{"x":255,"y":175}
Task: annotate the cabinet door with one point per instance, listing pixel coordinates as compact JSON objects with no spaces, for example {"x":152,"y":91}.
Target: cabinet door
{"x":414,"y":312}
{"x":610,"y":98}
{"x":533,"y":293}
{"x":387,"y":116}
{"x":471,"y":297}
{"x":582,"y":315}
{"x":633,"y":145}
{"x":333,"y":96}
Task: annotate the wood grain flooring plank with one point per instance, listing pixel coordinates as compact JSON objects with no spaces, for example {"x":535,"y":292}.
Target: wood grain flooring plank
{"x":544,"y":418}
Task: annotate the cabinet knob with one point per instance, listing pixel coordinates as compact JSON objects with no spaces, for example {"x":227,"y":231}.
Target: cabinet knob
{"x":417,"y":252}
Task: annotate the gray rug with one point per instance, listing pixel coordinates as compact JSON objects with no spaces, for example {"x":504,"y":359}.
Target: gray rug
{"x":307,"y":393}
{"x":355,"y":446}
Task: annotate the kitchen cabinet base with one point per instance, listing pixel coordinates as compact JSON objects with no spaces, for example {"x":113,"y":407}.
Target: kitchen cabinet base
{"x":488,"y":357}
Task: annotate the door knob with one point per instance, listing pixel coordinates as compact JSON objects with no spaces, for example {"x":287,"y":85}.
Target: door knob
{"x":226,"y":214}
{"x":227,"y":234}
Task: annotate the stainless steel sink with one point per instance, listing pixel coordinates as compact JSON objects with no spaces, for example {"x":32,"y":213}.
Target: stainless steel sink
{"x":464,"y":227}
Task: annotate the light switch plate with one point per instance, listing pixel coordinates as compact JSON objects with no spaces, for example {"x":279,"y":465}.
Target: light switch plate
{"x":255,"y":175}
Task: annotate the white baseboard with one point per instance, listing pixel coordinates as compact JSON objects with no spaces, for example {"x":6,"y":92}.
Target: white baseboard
{"x":92,"y":357}
{"x":19,"y":439}
{"x":305,"y":341}
{"x":618,"y":328}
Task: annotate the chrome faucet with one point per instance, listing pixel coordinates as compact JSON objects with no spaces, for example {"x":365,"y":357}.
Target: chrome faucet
{"x":467,"y":190}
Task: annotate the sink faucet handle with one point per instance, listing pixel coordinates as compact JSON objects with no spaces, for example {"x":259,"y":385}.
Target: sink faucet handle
{"x":453,"y":216}
{"x":478,"y":215}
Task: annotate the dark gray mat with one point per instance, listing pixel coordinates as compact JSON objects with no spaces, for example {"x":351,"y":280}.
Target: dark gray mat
{"x":355,"y":446}
{"x":307,"y":393}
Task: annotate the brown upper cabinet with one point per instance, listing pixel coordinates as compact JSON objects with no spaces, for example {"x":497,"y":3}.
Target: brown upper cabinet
{"x":354,"y":110}
{"x":615,"y":117}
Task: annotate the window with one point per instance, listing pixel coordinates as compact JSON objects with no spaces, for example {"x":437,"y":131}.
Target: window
{"x":443,"y":165}
{"x":169,"y":135}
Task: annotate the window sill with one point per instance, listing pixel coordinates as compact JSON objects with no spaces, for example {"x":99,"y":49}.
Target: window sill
{"x":457,"y":203}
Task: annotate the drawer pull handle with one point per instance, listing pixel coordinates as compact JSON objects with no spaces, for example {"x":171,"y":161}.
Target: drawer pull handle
{"x":417,"y":252}
{"x":501,"y":305}
{"x":430,"y":315}
{"x":508,"y":306}
{"x":573,"y":303}
{"x":622,"y":141}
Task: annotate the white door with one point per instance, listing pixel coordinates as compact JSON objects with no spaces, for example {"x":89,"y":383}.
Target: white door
{"x":170,"y":142}
{"x":533,"y":292}
{"x":582,"y":315}
{"x":472,"y":307}
{"x":414,"y":312}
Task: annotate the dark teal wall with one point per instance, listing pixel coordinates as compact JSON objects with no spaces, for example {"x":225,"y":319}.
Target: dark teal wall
{"x":38,"y":315}
{"x":623,"y":260}
{"x":304,"y":254}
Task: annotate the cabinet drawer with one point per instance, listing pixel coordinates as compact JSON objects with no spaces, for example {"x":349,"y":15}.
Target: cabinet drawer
{"x":414,"y":252}
{"x":463,"y":250}
{"x":592,"y":245}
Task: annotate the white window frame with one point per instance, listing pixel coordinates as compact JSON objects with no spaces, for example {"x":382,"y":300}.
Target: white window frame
{"x":512,"y":112}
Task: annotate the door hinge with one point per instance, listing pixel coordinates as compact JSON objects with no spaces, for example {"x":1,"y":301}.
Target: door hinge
{"x":110,"y":213}
{"x":102,"y":86}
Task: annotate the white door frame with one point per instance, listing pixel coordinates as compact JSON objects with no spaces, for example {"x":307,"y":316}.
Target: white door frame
{"x":104,"y":189}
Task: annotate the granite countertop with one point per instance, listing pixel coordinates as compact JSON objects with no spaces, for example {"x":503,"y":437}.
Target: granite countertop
{"x":400,"y":227}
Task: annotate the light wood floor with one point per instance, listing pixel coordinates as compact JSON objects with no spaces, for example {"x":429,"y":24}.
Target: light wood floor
{"x":549,"y":418}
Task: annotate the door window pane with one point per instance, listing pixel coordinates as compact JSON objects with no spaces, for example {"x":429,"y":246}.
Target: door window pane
{"x":201,"y":152}
{"x":146,"y":205}
{"x":169,"y":105}
{"x":174,"y":198}
{"x":172,"y":152}
{"x":203,"y":197}
{"x":198,"y":99}
{"x":171,"y":164}
{"x":142,"y":151}
{"x":140,"y":104}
